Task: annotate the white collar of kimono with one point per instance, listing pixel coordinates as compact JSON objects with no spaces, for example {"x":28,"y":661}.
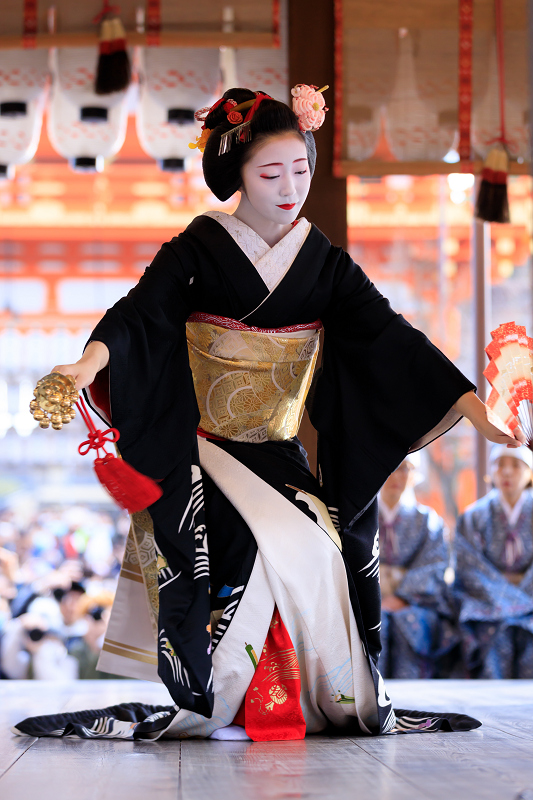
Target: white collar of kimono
{"x":512,"y":512}
{"x":271,"y":262}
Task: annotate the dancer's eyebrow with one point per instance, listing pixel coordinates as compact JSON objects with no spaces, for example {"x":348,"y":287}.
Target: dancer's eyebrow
{"x":279,"y":163}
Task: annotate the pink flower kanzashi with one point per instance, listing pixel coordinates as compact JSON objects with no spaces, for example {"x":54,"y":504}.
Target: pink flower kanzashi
{"x":309,"y":106}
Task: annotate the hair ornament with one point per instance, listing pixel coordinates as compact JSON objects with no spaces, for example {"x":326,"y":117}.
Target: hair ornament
{"x":242,"y":132}
{"x":229,"y":104}
{"x":201,"y":140}
{"x":203,"y":113}
{"x":309,"y":106}
{"x":235,"y":117}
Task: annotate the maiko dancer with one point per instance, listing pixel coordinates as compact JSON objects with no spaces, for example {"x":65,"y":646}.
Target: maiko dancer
{"x":251,"y":585}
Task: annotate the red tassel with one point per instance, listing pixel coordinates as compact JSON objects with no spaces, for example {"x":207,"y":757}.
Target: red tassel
{"x":130,"y":489}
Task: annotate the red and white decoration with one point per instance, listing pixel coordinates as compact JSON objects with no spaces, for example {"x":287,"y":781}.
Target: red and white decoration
{"x":174,"y":82}
{"x":84,"y":127}
{"x":23,"y":86}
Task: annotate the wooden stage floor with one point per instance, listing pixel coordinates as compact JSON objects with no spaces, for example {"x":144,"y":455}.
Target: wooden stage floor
{"x":495,"y":761}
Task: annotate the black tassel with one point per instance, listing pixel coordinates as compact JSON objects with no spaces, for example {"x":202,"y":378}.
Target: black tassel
{"x":113,"y":73}
{"x":492,"y":200}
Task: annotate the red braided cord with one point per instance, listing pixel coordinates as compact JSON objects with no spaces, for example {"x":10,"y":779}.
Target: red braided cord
{"x":107,"y":9}
{"x":153,"y":22}
{"x":498,"y":11}
{"x":30,"y":24}
{"x":97,"y":439}
{"x":466,"y":15}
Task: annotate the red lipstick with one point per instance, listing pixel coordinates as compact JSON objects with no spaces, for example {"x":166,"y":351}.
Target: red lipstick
{"x":287,"y":206}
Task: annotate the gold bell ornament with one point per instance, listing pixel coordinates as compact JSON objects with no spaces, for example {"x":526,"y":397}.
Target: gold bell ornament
{"x":55,"y":397}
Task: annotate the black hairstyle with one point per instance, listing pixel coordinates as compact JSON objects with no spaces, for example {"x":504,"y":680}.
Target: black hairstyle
{"x":222,"y":173}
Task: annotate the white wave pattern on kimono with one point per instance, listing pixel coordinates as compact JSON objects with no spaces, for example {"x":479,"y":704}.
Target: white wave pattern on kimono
{"x":300,"y":569}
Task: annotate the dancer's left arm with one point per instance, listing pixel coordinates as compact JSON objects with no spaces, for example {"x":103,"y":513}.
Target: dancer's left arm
{"x":471,"y":407}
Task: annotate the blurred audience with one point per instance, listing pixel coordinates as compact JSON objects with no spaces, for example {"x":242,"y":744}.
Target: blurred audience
{"x":418,"y":634}
{"x":58,"y":575}
{"x":494,"y":565}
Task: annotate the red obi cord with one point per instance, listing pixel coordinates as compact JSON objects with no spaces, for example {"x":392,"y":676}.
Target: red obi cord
{"x":236,"y":325}
{"x":206,"y":435}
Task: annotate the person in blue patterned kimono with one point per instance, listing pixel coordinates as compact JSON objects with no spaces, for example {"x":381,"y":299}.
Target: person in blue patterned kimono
{"x":417,"y":633}
{"x":494,"y":571}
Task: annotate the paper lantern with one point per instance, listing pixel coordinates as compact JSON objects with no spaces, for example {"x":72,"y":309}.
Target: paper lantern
{"x":414,"y":129}
{"x":369,"y":85}
{"x":437,"y":82}
{"x":23,"y":84}
{"x":268,"y":69}
{"x":174,"y":83}
{"x":84,"y":127}
{"x":486,"y":122}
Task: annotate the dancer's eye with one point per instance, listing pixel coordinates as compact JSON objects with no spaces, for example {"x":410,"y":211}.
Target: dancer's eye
{"x":269,"y":177}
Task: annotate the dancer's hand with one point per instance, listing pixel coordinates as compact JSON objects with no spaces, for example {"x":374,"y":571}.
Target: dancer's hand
{"x":95,"y":358}
{"x":485,"y":421}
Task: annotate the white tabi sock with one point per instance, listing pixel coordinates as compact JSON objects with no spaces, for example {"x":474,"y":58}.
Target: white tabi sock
{"x":230,"y":733}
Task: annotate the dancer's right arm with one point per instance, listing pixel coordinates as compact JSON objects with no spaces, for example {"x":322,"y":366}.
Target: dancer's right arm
{"x":95,"y":358}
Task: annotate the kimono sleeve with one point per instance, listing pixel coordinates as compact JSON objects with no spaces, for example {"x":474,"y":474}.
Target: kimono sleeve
{"x":148,"y":382}
{"x":385,"y":390}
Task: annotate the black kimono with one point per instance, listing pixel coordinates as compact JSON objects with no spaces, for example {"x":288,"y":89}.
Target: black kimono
{"x":247,"y":543}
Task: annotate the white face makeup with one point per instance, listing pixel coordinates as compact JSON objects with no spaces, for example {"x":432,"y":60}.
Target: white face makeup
{"x":276,"y":179}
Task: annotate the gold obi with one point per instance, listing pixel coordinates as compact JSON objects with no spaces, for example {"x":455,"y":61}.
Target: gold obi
{"x":251,"y":385}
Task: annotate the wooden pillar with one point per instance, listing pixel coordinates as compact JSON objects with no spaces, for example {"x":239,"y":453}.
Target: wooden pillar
{"x":311,"y":49}
{"x":483,"y":318}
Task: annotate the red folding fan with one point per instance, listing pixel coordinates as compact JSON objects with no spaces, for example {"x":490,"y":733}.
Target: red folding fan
{"x":509,"y":372}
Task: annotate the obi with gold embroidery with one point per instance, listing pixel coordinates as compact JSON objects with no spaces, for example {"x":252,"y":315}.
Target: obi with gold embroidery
{"x":250,"y":383}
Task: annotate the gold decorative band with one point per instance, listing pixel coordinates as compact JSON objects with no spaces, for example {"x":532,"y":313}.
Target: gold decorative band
{"x":131,"y":576}
{"x":128,"y":651}
{"x":250,"y":386}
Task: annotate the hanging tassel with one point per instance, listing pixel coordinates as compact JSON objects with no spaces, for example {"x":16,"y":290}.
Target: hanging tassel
{"x":492,"y":200}
{"x":129,"y":488}
{"x":113,"y":73}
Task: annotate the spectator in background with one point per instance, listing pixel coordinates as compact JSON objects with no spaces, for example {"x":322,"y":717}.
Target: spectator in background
{"x":58,"y":574}
{"x":494,"y":571}
{"x":32,"y":649}
{"x":417,"y":634}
